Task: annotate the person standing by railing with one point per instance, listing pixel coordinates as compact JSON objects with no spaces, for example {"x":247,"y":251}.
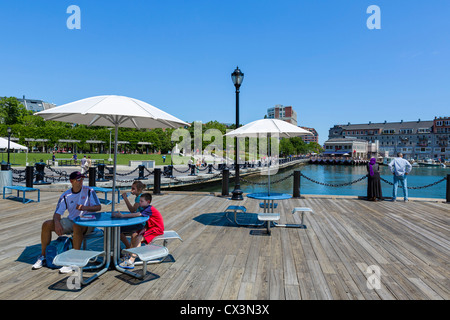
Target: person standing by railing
{"x":373,"y":183}
{"x":400,"y":168}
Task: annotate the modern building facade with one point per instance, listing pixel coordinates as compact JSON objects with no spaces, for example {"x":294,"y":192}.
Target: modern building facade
{"x":286,"y":113}
{"x":310,"y":138}
{"x":35,"y":105}
{"x":415,"y":139}
{"x":350,"y":147}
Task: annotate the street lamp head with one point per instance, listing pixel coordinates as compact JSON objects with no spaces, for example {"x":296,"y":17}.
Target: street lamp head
{"x":9,"y":130}
{"x":237,"y":76}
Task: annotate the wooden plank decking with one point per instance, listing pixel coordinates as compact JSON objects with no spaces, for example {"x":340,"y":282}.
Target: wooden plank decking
{"x":409,"y":242}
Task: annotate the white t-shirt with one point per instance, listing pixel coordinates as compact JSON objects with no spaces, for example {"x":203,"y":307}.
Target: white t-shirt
{"x":69,"y":201}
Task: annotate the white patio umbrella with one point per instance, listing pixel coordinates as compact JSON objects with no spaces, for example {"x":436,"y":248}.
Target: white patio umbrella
{"x":12,"y":145}
{"x":270,"y":127}
{"x":112,"y":110}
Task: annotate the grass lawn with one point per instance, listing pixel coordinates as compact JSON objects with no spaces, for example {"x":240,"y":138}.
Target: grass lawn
{"x":19,"y":159}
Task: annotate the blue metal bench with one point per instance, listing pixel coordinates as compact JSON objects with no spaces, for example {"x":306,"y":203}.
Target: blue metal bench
{"x":24,"y":190}
{"x":106,"y":190}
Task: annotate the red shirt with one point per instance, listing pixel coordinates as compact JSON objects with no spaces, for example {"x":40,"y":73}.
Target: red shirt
{"x":155,"y":223}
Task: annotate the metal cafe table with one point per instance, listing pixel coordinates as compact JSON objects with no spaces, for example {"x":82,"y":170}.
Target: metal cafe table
{"x":80,"y":258}
{"x":269,"y":198}
{"x":268,"y":204}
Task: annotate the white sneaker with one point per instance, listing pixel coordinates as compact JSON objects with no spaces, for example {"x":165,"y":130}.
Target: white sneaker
{"x":39,"y":263}
{"x":65,"y":269}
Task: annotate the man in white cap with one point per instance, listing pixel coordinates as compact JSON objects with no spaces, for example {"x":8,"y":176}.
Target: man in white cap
{"x":76,"y":201}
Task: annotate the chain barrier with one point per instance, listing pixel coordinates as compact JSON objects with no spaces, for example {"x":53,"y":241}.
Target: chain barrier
{"x":180,"y":171}
{"x":416,"y":188}
{"x":127,"y":174}
{"x":333,"y":185}
{"x":196,"y":181}
{"x":267,"y":183}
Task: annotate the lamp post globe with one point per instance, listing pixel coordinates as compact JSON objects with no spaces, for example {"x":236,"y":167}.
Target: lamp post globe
{"x":237,"y":77}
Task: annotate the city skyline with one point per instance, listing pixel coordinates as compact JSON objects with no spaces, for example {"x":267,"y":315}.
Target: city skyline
{"x":318,"y":57}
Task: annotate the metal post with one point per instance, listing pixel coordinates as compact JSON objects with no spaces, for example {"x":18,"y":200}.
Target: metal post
{"x":237,"y":192}
{"x":29,"y":171}
{"x":297,"y":179}
{"x":157,"y":181}
{"x":448,"y":188}
{"x":92,"y":173}
{"x":225,"y":177}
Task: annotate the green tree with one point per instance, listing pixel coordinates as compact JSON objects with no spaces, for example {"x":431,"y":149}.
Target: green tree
{"x":11,"y":111}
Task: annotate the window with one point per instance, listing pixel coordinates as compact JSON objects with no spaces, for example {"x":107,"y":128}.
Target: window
{"x":439,"y":123}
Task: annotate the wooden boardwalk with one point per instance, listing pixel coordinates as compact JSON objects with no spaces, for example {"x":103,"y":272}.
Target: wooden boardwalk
{"x":408,"y":242}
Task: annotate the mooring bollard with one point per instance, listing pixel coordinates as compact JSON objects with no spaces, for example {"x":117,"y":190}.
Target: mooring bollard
{"x":40,"y":174}
{"x":170,"y":171}
{"x":92,"y":173}
{"x":141,"y":173}
{"x":192,"y":166}
{"x":210,"y":168}
{"x":297,"y":180}
{"x":29,"y":171}
{"x":225,"y":177}
{"x":101,"y":172}
{"x":157,"y":181}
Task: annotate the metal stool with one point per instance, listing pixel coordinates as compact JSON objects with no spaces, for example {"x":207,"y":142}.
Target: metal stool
{"x":302,"y":210}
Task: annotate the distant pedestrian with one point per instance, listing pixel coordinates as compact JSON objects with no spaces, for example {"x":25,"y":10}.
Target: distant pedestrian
{"x":83,"y":164}
{"x":374,"y":182}
{"x":164,"y":159}
{"x":400,"y":168}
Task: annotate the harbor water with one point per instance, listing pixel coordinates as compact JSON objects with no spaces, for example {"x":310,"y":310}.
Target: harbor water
{"x":340,"y":174}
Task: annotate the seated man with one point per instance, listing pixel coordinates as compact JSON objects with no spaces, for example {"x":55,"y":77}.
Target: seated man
{"x":76,"y":200}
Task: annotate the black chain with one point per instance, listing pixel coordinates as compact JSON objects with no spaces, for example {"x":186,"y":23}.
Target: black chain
{"x":334,"y":185}
{"x":416,"y":188}
{"x":267,"y":183}
{"x":127,"y":174}
{"x":179,"y":171}
{"x":196,"y":181}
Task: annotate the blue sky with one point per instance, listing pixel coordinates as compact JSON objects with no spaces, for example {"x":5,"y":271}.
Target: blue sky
{"x":318,"y":56}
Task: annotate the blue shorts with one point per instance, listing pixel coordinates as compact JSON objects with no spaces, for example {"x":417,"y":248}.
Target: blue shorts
{"x":132,"y":228}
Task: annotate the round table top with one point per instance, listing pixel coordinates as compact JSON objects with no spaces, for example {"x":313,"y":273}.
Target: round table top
{"x":272,"y":196}
{"x":104,"y":219}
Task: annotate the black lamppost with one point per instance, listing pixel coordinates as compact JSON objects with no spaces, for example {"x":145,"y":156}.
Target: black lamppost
{"x":237,"y":76}
{"x":9,"y":139}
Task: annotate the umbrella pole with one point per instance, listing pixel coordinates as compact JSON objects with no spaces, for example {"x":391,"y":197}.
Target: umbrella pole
{"x":116,"y":129}
{"x":268,"y":158}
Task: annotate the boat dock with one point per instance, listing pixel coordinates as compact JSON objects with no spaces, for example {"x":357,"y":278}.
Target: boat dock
{"x":335,"y":257}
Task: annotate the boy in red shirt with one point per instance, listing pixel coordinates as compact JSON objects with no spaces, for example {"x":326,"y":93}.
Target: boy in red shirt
{"x":154,"y":226}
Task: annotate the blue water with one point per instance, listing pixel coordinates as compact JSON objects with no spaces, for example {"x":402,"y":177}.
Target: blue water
{"x":338,"y":174}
